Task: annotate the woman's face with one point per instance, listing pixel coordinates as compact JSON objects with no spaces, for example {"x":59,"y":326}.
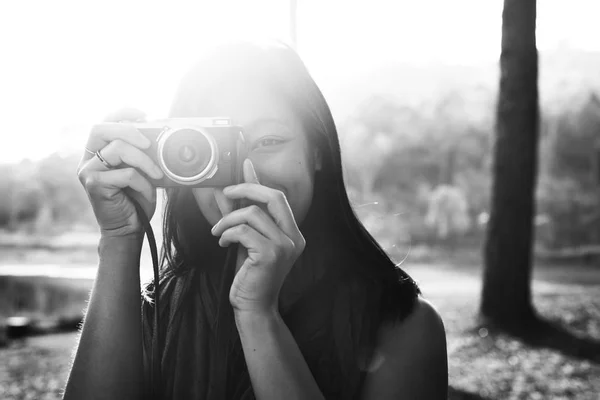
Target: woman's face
{"x":276,"y":144}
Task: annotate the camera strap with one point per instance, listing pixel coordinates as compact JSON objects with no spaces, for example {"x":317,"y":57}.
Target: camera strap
{"x":227,"y":277}
{"x":155,"y":373}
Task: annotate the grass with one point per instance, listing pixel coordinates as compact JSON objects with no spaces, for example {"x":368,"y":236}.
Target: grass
{"x":483,"y":364}
{"x":496,"y":365}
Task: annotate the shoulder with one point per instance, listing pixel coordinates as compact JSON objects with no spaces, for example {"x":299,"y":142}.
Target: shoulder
{"x":420,"y":335}
{"x":423,"y":323}
{"x":410,"y":358}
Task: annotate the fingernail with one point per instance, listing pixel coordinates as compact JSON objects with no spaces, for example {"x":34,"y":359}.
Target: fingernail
{"x":227,"y":189}
{"x":214,"y":228}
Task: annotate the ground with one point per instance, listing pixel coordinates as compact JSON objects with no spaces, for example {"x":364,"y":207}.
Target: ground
{"x":483,"y":364}
{"x":489,"y":365}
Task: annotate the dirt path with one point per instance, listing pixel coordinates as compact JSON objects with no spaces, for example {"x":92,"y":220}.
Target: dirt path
{"x":442,"y":280}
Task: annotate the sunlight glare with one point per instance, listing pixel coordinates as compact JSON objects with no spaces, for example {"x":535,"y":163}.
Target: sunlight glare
{"x":69,"y":63}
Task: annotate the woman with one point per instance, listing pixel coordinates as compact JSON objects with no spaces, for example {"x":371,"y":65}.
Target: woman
{"x":316,"y":308}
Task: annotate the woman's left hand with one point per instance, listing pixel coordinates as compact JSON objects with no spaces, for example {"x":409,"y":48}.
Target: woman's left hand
{"x":270,"y":243}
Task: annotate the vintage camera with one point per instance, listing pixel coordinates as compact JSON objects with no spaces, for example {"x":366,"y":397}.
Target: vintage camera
{"x":195,"y":152}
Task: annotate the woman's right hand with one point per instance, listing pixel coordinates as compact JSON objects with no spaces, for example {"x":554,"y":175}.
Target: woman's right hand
{"x":121,"y":145}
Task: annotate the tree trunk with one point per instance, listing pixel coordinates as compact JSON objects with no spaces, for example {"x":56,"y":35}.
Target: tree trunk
{"x":506,"y":294}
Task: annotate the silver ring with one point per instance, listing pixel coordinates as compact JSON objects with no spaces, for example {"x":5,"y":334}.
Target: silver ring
{"x":102,"y":160}
{"x":89,"y":151}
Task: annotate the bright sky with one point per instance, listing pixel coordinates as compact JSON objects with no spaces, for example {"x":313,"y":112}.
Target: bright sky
{"x":66,"y":64}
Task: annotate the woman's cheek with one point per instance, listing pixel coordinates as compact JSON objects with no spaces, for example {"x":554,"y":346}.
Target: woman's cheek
{"x":300,"y":190}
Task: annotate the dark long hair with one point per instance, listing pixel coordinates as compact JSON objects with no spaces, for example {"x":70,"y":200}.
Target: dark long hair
{"x":353,"y":279}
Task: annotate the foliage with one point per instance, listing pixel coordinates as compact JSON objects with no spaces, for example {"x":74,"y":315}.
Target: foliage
{"x":397,"y":154}
{"x":569,"y":188}
{"x":44,"y":196}
{"x":403,"y":156}
{"x":447,"y":211}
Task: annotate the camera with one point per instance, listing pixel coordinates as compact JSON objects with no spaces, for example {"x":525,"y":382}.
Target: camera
{"x":195,"y":152}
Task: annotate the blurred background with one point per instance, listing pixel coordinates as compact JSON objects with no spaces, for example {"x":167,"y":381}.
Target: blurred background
{"x":413,"y":87}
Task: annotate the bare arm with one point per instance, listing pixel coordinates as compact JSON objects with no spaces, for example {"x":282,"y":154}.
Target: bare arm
{"x":276,"y":365}
{"x":108,"y":362}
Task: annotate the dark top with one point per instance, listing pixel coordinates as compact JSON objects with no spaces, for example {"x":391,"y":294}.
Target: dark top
{"x":334,"y":319}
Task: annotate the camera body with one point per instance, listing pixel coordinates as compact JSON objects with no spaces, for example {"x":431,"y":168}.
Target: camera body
{"x":195,"y":152}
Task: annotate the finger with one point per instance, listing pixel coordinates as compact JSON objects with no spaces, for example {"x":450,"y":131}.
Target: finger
{"x":246,"y":236}
{"x":275,"y":200}
{"x":119,"y":152}
{"x":102,"y":134}
{"x":126,"y":114}
{"x":253,"y":216}
{"x":249,"y":172}
{"x":121,"y":179}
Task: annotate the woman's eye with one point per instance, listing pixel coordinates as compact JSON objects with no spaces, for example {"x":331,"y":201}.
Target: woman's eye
{"x":266,"y":142}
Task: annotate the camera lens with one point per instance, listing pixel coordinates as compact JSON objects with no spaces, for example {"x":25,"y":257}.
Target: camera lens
{"x":186,"y":153}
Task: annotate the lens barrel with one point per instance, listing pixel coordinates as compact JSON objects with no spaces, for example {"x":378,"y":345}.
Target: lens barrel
{"x":187,"y":155}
